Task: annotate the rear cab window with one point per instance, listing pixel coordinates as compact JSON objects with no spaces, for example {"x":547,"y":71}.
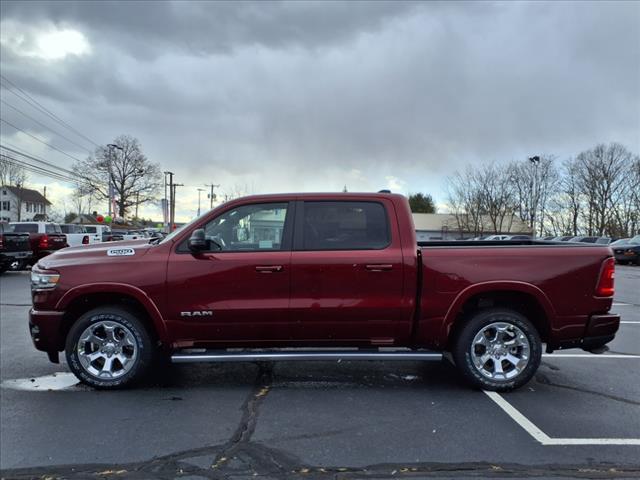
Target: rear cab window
{"x":52,"y":228}
{"x":343,"y":225}
{"x":25,"y":227}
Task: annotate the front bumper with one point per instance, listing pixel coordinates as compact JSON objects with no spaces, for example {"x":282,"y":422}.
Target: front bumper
{"x":626,"y":257}
{"x":45,"y":328}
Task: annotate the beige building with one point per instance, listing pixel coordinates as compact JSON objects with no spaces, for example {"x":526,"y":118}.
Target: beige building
{"x":445,"y":226}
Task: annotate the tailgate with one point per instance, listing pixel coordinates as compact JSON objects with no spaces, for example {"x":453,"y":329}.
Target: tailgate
{"x":57,"y":240}
{"x":16,"y":242}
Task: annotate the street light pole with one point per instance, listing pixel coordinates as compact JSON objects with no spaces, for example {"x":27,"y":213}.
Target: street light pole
{"x":535,"y":161}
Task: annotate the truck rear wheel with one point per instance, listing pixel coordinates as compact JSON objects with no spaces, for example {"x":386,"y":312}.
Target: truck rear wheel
{"x":498,"y":349}
{"x":109,"y":348}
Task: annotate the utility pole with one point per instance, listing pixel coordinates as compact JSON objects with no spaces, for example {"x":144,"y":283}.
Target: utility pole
{"x":200,"y":190}
{"x":211,"y":195}
{"x":137,"y":203}
{"x":111,"y":147}
{"x":170,"y":205}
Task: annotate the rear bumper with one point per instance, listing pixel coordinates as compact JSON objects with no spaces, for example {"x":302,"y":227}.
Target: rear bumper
{"x":601,"y":329}
{"x":45,"y":328}
{"x":10,"y":257}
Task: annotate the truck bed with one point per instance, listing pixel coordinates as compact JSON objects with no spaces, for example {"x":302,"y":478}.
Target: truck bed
{"x":556,"y":280}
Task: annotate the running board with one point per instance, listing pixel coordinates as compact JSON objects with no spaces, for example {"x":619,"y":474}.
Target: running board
{"x":293,"y":355}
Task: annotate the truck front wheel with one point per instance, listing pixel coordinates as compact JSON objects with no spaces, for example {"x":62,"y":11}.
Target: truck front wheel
{"x":109,"y":348}
{"x":498,"y":349}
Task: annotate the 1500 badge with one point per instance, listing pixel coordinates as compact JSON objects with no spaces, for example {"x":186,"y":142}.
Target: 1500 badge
{"x":120,"y":252}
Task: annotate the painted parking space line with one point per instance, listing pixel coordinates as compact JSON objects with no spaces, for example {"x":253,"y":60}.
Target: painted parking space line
{"x":615,"y":304}
{"x":630,"y":322}
{"x":603,"y":356}
{"x":544,"y":439}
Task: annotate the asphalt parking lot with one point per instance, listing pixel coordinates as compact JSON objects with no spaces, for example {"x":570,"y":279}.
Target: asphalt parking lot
{"x":579,"y":418}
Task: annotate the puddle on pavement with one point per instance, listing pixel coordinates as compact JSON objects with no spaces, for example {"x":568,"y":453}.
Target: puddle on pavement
{"x":55,"y":381}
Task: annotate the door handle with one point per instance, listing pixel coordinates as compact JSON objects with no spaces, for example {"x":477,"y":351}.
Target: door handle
{"x":269,"y":268}
{"x":379,"y":267}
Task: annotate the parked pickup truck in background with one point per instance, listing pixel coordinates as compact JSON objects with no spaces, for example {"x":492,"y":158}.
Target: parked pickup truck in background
{"x":45,"y":237}
{"x":77,"y":235}
{"x":15,"y":248}
{"x":339,"y":273}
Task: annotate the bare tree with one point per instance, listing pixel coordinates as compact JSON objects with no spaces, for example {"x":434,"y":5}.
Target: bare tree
{"x":534,"y":185}
{"x":602,"y":176}
{"x":11,"y":173}
{"x":466,"y":201}
{"x":135,"y":179}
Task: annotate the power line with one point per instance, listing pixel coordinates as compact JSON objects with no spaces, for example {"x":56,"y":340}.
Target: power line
{"x":14,"y":149}
{"x":40,"y":140}
{"x":40,"y":170}
{"x":43,"y":125}
{"x":44,"y":109}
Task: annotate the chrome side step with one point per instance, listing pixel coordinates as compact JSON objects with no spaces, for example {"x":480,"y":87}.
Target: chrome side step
{"x":190,"y":356}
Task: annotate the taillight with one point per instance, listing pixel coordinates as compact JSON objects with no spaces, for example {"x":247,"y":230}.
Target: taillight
{"x":1,"y":242}
{"x":607,"y":275}
{"x":85,"y":240}
{"x":44,"y":241}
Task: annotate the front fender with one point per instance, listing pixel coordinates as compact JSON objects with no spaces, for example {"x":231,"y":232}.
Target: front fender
{"x":122,"y":289}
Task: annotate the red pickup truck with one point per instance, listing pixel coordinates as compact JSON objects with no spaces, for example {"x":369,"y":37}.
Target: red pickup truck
{"x":319,"y":276}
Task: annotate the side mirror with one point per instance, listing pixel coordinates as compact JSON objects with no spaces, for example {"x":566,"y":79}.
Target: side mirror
{"x":198,"y":241}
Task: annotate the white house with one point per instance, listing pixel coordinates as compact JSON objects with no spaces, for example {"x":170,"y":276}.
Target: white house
{"x":22,"y":204}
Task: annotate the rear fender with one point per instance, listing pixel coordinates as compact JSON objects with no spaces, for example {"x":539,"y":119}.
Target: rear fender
{"x":496,"y":286}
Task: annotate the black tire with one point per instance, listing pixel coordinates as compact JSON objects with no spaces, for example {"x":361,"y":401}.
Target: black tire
{"x":462,"y":349}
{"x":121,"y":317}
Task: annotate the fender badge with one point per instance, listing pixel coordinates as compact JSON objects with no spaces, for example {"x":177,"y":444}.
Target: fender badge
{"x":120,"y":252}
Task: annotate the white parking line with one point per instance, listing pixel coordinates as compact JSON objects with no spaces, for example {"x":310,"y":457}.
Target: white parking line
{"x":620,"y":304}
{"x":603,"y":356}
{"x":545,"y":439}
{"x":629,"y":321}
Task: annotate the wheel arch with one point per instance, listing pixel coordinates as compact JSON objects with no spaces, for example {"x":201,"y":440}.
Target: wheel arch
{"x":522,"y":297}
{"x":80,"y":300}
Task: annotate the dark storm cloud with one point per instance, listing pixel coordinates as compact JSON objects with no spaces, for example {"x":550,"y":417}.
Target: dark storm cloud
{"x":303,"y":95}
{"x":214,"y":27}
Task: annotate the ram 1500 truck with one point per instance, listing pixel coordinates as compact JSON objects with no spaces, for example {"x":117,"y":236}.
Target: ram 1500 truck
{"x":15,"y":248}
{"x":319,"y":276}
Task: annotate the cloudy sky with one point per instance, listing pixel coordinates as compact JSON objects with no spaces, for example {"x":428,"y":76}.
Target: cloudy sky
{"x":312,"y":96}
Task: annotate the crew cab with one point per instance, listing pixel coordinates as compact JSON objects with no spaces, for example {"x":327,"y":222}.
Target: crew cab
{"x":14,"y":248}
{"x":44,"y":237}
{"x":319,"y":276}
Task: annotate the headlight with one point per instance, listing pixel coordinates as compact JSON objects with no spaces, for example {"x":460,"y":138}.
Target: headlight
{"x":44,"y":280}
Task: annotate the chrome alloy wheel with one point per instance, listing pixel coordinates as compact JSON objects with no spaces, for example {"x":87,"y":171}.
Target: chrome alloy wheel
{"x":107,"y":349}
{"x":500,"y":351}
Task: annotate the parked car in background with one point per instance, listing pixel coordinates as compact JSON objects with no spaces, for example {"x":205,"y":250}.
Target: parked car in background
{"x":15,"y":248}
{"x":102,"y":233}
{"x":131,"y":234}
{"x":627,"y":251}
{"x":497,"y":237}
{"x":44,"y":237}
{"x":549,"y":238}
{"x":583,"y":239}
{"x":518,"y":237}
{"x":76,"y":235}
{"x":604,"y":240}
{"x":563,"y":239}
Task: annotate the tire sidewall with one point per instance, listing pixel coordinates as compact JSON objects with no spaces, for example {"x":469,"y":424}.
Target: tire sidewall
{"x":462,"y":353}
{"x":126,"y":319}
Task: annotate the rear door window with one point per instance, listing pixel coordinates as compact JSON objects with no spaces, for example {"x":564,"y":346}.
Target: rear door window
{"x":344,"y":226}
{"x":52,"y":228}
